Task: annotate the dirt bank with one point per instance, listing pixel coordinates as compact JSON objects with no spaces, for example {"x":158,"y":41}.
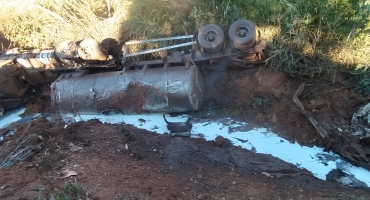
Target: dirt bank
{"x":123,"y":162}
{"x":115,"y":161}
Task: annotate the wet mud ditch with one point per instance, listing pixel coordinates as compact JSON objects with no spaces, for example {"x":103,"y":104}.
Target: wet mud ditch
{"x":112,"y":161}
{"x":119,"y":161}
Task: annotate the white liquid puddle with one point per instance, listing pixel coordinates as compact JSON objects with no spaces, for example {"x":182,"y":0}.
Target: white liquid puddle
{"x":10,"y":117}
{"x":239,"y":133}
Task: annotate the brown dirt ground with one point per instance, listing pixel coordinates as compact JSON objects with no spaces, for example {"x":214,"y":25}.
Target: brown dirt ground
{"x":123,"y":162}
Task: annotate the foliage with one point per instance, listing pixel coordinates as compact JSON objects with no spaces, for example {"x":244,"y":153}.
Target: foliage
{"x":322,"y":29}
{"x":45,"y":163}
{"x":155,"y":18}
{"x":24,"y":150}
{"x":305,"y":37}
{"x":260,"y":101}
{"x":127,"y":197}
{"x":69,"y":191}
{"x":362,"y":80}
{"x":48,"y":22}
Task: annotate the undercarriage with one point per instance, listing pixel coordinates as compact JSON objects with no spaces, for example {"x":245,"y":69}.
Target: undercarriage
{"x":83,"y":77}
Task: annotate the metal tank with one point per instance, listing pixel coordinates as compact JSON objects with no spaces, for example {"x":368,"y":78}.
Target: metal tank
{"x":166,"y":89}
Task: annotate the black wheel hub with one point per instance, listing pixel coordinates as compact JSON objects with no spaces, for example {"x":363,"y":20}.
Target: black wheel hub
{"x":211,"y":36}
{"x":242,"y":31}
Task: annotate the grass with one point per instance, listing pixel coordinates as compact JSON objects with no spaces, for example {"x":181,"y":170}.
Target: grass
{"x":69,"y":191}
{"x":24,"y":150}
{"x":45,"y":163}
{"x":305,"y":37}
{"x":361,"y":79}
{"x":127,"y":197}
{"x":48,"y":22}
{"x":260,"y":101}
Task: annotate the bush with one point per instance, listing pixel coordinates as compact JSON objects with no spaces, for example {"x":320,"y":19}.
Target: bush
{"x":305,"y":37}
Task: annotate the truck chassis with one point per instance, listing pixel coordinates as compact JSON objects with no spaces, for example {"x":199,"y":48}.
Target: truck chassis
{"x":84,"y":78}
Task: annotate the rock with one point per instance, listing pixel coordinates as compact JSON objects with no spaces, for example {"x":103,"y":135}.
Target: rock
{"x":274,"y":118}
{"x":73,"y":147}
{"x":259,"y":116}
{"x":223,"y":142}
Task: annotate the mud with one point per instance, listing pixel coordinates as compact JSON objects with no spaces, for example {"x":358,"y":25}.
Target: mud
{"x":266,"y":98}
{"x":121,"y":160}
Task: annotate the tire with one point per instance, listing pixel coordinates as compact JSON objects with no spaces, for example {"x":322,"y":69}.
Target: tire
{"x":111,"y":46}
{"x":66,"y":52}
{"x":242,"y":34}
{"x":211,"y":37}
{"x":90,"y":50}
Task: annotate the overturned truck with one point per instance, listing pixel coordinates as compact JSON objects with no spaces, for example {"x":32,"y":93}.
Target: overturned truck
{"x":85,"y":78}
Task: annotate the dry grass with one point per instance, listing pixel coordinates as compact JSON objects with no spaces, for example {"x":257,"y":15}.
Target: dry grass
{"x":305,"y":37}
{"x":52,"y":21}
{"x":22,"y":151}
{"x":19,"y":6}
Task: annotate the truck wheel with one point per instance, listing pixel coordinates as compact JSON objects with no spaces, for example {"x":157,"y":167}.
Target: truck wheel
{"x":90,"y":51}
{"x":242,"y":34}
{"x":211,"y":37}
{"x":66,"y":52}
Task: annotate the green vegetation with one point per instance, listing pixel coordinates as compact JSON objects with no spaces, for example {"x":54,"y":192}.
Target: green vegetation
{"x":362,"y":79}
{"x":305,"y":37}
{"x":45,"y":163}
{"x":260,"y":101}
{"x":69,"y":191}
{"x":127,"y":197}
{"x":120,"y":197}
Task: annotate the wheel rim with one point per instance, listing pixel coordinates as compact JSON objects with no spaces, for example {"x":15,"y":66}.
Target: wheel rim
{"x":242,"y":31}
{"x":210,"y":36}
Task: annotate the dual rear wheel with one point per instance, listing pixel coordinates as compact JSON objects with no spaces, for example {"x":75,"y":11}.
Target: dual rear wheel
{"x":242,"y":34}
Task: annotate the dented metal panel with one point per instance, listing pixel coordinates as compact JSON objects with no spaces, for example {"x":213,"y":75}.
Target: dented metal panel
{"x":172,"y":89}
